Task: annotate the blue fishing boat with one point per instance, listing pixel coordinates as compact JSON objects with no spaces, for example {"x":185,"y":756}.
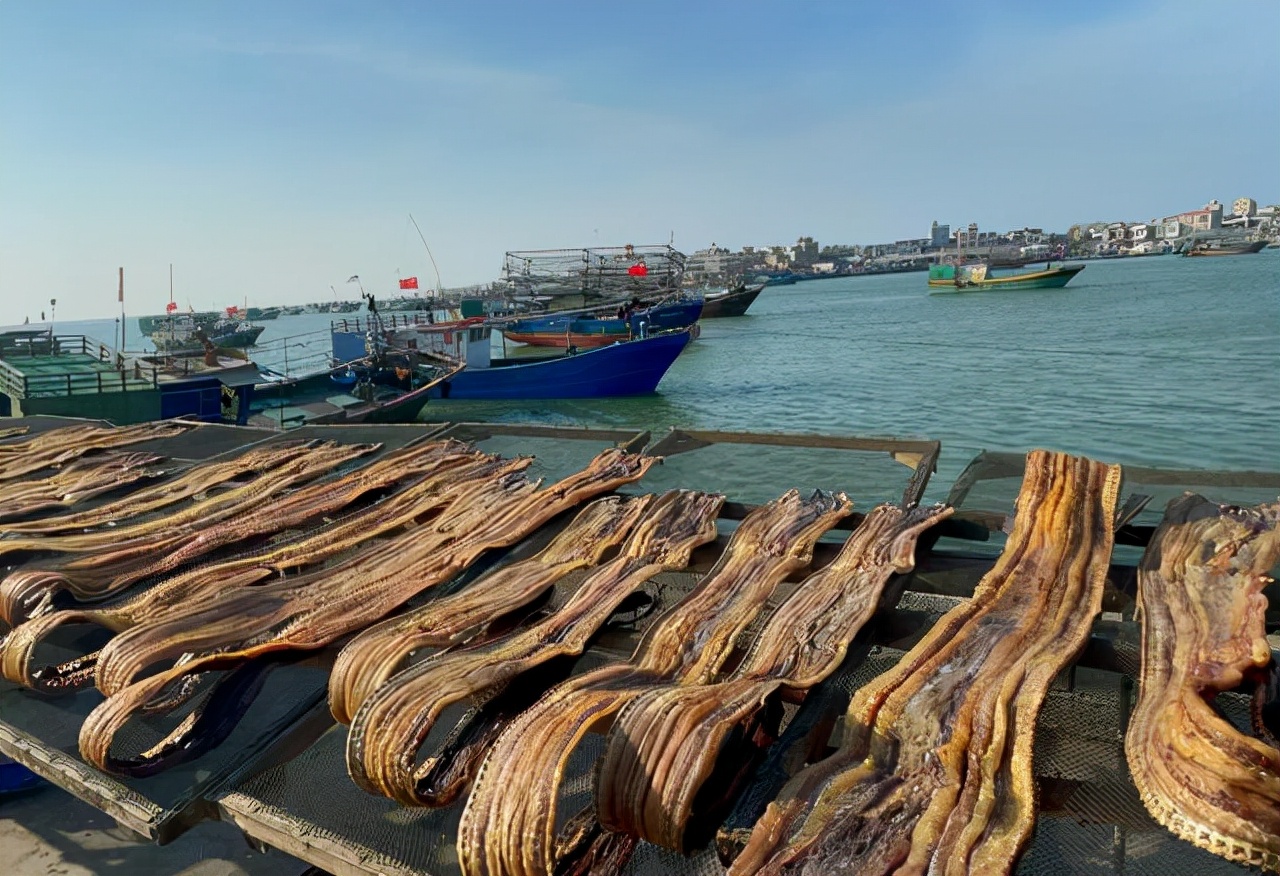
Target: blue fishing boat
{"x":623,"y":368}
{"x":455,"y":360}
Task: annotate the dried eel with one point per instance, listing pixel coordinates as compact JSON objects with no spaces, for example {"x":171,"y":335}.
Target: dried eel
{"x":380,"y":651}
{"x":416,"y":500}
{"x":667,"y":742}
{"x":393,"y":723}
{"x":934,"y":772}
{"x":58,"y":446}
{"x":508,"y":824}
{"x":313,"y":610}
{"x":192,"y":482}
{"x":110,"y":560}
{"x":76,"y":482}
{"x":1203,"y":613}
{"x":98,"y":574}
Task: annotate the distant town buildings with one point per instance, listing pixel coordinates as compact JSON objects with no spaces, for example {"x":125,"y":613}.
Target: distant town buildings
{"x":1171,"y":232}
{"x":717,"y":264}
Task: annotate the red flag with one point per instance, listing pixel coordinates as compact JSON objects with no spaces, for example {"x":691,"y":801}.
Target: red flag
{"x":409,"y":283}
{"x":638,"y":270}
{"x":232,"y":310}
{"x":171,"y":307}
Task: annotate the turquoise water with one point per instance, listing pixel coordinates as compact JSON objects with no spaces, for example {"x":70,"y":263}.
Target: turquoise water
{"x":1162,"y":361}
{"x":1159,"y":361}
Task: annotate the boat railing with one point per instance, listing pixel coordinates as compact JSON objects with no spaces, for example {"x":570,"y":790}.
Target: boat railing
{"x":18,"y":382}
{"x":390,"y":321}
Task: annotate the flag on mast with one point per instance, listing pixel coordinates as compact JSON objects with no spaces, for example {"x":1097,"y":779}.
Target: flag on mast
{"x":409,"y":283}
{"x":354,"y":278}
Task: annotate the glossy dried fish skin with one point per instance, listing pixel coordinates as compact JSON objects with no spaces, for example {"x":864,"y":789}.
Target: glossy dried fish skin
{"x":183,"y":591}
{"x":111,"y":560}
{"x":75,"y":482}
{"x":666,"y":743}
{"x":508,"y":824}
{"x":313,"y":610}
{"x":934,"y":773}
{"x":1204,"y":631}
{"x":393,"y":723}
{"x":58,"y":446}
{"x":379,"y":652}
{"x":192,"y":482}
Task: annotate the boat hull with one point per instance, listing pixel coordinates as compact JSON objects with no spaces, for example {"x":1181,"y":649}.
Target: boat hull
{"x":630,"y":368}
{"x":1054,"y":278}
{"x":732,"y":304}
{"x":1241,"y":249}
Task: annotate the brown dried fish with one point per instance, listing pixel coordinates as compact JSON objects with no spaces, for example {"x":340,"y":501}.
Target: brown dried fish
{"x":313,"y":610}
{"x":413,"y":503}
{"x":508,"y":825}
{"x":393,"y":723}
{"x":379,"y":652}
{"x":666,"y":743}
{"x":108,"y":561}
{"x":1203,"y":615}
{"x":934,"y":771}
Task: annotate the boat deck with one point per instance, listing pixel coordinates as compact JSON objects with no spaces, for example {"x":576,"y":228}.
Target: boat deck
{"x":282,"y":779}
{"x":65,"y":374}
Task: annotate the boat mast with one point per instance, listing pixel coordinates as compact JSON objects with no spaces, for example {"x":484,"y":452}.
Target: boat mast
{"x":121,"y":311}
{"x":439,"y":285}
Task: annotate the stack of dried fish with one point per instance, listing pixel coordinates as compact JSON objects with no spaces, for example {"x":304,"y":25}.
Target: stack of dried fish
{"x":59,"y":446}
{"x":1203,"y":631}
{"x":379,"y":652}
{"x":666,"y":744}
{"x":108,"y":561}
{"x":393,"y":723}
{"x":451,"y":464}
{"x":194,"y":482}
{"x":75,"y":482}
{"x":313,"y":610}
{"x":508,"y":825}
{"x":934,"y":771}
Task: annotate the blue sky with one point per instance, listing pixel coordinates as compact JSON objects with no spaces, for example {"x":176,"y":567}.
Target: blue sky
{"x":270,"y":150}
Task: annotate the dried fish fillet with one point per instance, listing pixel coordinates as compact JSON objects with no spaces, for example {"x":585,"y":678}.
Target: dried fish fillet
{"x":413,"y":503}
{"x":191,"y":483}
{"x":508,"y":825}
{"x":934,"y":771}
{"x":666,"y":744}
{"x":379,"y":652}
{"x":1204,"y":631}
{"x":393,"y":723}
{"x":108,"y":561}
{"x":313,"y":610}
{"x":76,"y":482}
{"x":58,"y":446}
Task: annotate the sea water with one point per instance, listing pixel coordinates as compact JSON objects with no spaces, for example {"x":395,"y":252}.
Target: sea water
{"x":1160,"y":361}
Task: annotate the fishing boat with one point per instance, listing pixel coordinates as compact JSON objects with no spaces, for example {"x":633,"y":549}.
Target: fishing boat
{"x":1218,"y":248}
{"x":456,"y":359}
{"x":179,"y":333}
{"x":589,"y":329}
{"x":974,"y":278}
{"x":730,"y":302}
{"x":43,"y":373}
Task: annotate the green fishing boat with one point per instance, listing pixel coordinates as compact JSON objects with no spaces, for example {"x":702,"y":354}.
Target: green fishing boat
{"x":974,"y":278}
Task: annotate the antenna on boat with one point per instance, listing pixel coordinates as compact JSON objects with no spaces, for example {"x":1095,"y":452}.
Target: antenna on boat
{"x":439,"y":285}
